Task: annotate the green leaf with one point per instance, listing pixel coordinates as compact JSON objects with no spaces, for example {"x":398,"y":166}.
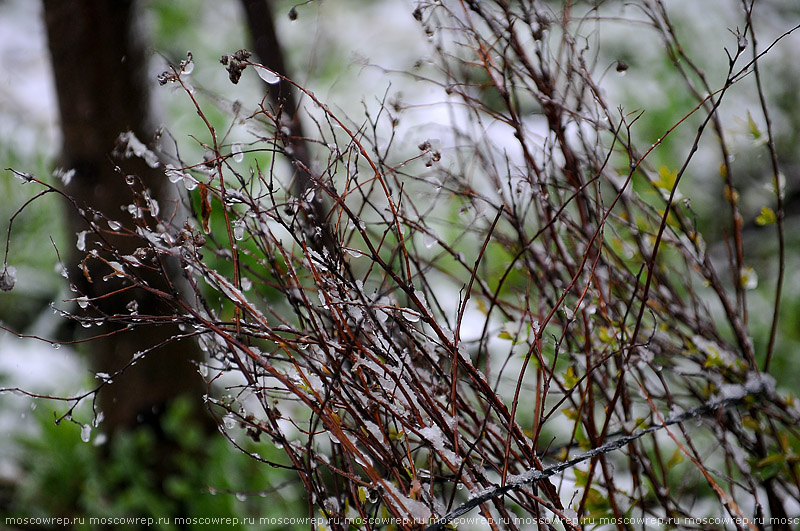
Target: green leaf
{"x":677,"y":457}
{"x":666,"y":179}
{"x":751,"y":423}
{"x":570,"y":378}
{"x":751,"y":125}
{"x":771,"y":465}
{"x":581,"y":477}
{"x":767,"y":217}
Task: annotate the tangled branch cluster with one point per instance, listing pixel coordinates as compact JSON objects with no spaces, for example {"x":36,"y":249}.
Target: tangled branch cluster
{"x":473,"y":311}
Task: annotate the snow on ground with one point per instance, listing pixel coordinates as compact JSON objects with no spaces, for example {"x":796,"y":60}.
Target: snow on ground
{"x":27,"y":101}
{"x":38,"y":368}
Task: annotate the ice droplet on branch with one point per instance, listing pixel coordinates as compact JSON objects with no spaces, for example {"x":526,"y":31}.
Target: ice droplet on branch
{"x":173,"y":174}
{"x":189,"y":182}
{"x":238,"y":230}
{"x":236,"y":151}
{"x":268,"y":76}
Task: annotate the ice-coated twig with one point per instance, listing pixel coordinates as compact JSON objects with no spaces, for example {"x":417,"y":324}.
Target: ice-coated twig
{"x":757,"y":384}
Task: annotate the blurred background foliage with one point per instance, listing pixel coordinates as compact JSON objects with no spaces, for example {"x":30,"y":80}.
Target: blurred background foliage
{"x":63,"y":476}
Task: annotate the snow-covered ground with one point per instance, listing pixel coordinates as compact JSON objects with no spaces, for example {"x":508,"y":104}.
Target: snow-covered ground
{"x":28,"y":129}
{"x":27,"y":102}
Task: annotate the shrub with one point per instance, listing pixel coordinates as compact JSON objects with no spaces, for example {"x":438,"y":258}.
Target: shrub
{"x":518,"y":312}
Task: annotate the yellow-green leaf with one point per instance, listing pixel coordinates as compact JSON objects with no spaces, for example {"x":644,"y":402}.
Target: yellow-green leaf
{"x":770,"y":459}
{"x":749,"y":278}
{"x":751,"y":423}
{"x":771,"y":465}
{"x":754,"y":130}
{"x":570,"y":378}
{"x":606,"y":335}
{"x":677,"y":457}
{"x":666,"y":179}
{"x":767,"y":217}
{"x":505,"y":335}
{"x":581,"y":477}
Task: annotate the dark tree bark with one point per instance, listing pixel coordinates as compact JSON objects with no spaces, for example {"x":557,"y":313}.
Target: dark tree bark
{"x":102,"y":89}
{"x":266,"y":45}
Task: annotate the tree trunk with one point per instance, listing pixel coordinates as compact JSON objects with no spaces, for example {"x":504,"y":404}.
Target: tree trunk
{"x":102,"y":87}
{"x":267,"y":48}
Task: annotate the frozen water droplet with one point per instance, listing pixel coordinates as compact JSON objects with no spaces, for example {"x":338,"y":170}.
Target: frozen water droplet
{"x":56,"y":346}
{"x":154,"y":208}
{"x":114,"y":225}
{"x":86,"y":433}
{"x":130,"y":179}
{"x":238,"y":229}
{"x":83,"y":302}
{"x":236,"y":151}
{"x":309,"y":195}
{"x":188,"y":68}
{"x":749,"y":278}
{"x":429,"y":240}
{"x":229,"y":421}
{"x":24,"y":177}
{"x":64,"y":175}
{"x":81,"y":243}
{"x":269,"y":77}
{"x":189,"y":182}
{"x":246,"y":284}
{"x":241,"y":496}
{"x":174,"y":175}
{"x":411,"y":316}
